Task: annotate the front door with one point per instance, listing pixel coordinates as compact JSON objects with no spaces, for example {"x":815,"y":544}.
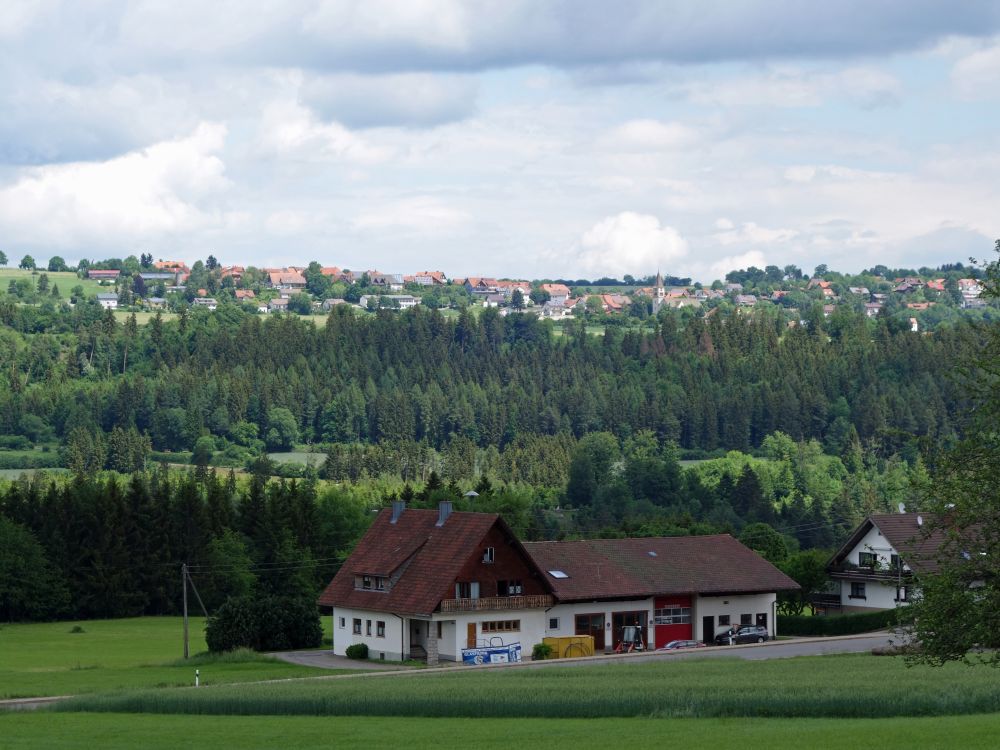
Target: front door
{"x":592,"y":625}
{"x":470,"y":640}
{"x":708,"y":629}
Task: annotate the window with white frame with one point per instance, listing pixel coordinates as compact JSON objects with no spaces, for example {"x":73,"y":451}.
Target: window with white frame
{"x":379,"y":629}
{"x":357,"y":626}
{"x":343,"y":622}
{"x":858,"y":590}
{"x":553,"y":623}
{"x":368,"y":627}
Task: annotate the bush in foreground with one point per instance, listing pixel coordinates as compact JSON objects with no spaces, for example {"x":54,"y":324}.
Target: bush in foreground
{"x":357,"y":651}
{"x":264,"y":623}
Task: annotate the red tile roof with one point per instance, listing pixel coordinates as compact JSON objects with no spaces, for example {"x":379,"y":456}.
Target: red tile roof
{"x":624,"y":568}
{"x":919,"y":546}
{"x":430,"y":557}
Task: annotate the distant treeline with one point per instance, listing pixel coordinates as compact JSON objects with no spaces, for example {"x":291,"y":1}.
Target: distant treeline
{"x":725,"y":381}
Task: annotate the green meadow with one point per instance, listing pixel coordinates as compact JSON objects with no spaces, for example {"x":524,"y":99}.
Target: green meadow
{"x":29,"y":731}
{"x":65,"y":279}
{"x":44,"y":659}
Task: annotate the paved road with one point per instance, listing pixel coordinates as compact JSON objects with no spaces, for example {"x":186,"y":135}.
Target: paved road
{"x":783,"y":649}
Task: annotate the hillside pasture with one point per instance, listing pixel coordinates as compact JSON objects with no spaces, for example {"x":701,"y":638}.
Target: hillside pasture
{"x":66,"y":280}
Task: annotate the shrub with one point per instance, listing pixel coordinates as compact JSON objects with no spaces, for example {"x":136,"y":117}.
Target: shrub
{"x":357,"y":651}
{"x":264,"y":623}
{"x":541,"y":651}
{"x":850,"y":624}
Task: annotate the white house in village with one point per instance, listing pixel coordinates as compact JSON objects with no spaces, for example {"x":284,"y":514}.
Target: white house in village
{"x":876,"y":567}
{"x":108,"y":301}
{"x":428,"y":584}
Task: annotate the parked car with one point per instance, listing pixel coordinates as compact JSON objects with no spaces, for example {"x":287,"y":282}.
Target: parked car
{"x":674,"y":645}
{"x":745,"y":634}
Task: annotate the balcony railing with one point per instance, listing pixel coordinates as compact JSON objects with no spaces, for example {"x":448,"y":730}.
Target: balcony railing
{"x":851,"y":570}
{"x":493,"y":603}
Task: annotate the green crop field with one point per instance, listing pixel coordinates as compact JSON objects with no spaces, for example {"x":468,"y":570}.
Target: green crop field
{"x":49,"y":659}
{"x":29,"y":731}
{"x":850,"y":686}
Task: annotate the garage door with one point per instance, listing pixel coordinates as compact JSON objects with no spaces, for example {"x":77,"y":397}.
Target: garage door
{"x":672,"y":619}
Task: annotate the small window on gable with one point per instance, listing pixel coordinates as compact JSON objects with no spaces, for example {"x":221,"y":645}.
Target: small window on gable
{"x":488,"y":555}
{"x":867,"y":559}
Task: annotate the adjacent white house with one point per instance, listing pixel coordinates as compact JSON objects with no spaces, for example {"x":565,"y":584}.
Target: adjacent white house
{"x":429,"y":584}
{"x":876,"y":567}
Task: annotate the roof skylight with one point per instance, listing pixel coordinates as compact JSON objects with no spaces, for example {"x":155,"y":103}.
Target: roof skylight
{"x":558,"y":574}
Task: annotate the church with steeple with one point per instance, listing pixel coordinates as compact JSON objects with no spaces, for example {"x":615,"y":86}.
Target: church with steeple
{"x":659,"y":293}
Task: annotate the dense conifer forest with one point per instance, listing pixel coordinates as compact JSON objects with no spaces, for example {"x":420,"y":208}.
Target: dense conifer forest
{"x":734,"y":421}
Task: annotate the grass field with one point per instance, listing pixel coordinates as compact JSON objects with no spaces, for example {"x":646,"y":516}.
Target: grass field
{"x":850,"y":686}
{"x":112,"y":731}
{"x":142,"y":318}
{"x":299,"y":457}
{"x":65,"y":279}
{"x":143,"y":652}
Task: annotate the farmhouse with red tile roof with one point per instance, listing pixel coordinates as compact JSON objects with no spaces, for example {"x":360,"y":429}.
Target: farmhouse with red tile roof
{"x":436,"y":582}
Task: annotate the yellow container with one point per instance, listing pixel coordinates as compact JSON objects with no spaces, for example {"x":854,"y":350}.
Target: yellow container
{"x":569,"y":646}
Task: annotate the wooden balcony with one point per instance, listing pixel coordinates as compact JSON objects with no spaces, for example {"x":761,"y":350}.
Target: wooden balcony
{"x":497,"y":603}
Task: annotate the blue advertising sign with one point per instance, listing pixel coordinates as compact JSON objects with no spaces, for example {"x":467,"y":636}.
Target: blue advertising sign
{"x":492,"y":654}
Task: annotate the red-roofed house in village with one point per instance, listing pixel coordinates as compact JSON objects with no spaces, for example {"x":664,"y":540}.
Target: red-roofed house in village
{"x":432,"y":583}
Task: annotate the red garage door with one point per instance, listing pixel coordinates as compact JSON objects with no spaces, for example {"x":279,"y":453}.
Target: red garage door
{"x":672,"y":619}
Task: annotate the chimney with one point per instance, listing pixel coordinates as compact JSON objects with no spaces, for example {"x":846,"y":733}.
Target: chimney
{"x":444,"y":510}
{"x":398,"y":506}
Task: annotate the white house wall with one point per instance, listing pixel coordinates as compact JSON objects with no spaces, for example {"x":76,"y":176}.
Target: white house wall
{"x":734,"y":606}
{"x":394,"y":646}
{"x":566,"y":613}
{"x":878,"y":594}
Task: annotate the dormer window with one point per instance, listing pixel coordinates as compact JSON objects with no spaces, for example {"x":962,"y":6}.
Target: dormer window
{"x":371,"y":583}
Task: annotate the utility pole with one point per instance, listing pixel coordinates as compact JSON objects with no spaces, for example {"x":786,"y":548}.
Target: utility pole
{"x":184,"y":582}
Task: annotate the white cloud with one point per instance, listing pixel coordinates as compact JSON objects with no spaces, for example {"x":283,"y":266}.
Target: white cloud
{"x":650,"y":135}
{"x":141,"y":194}
{"x":422,"y":215}
{"x":289,"y":129}
{"x":627,"y":243}
{"x":786,"y":87}
{"x":977,"y":75}
{"x":751,"y":234}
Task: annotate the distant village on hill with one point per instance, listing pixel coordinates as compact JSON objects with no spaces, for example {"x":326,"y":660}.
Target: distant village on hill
{"x":920,"y":298}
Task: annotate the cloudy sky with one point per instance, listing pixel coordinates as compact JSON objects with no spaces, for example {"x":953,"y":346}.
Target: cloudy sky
{"x":561,"y":138}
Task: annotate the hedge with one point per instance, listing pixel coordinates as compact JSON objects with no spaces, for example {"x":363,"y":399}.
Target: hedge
{"x":37,"y":460}
{"x":850,"y":624}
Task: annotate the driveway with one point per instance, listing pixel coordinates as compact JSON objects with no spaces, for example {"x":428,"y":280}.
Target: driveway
{"x":328,"y":660}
